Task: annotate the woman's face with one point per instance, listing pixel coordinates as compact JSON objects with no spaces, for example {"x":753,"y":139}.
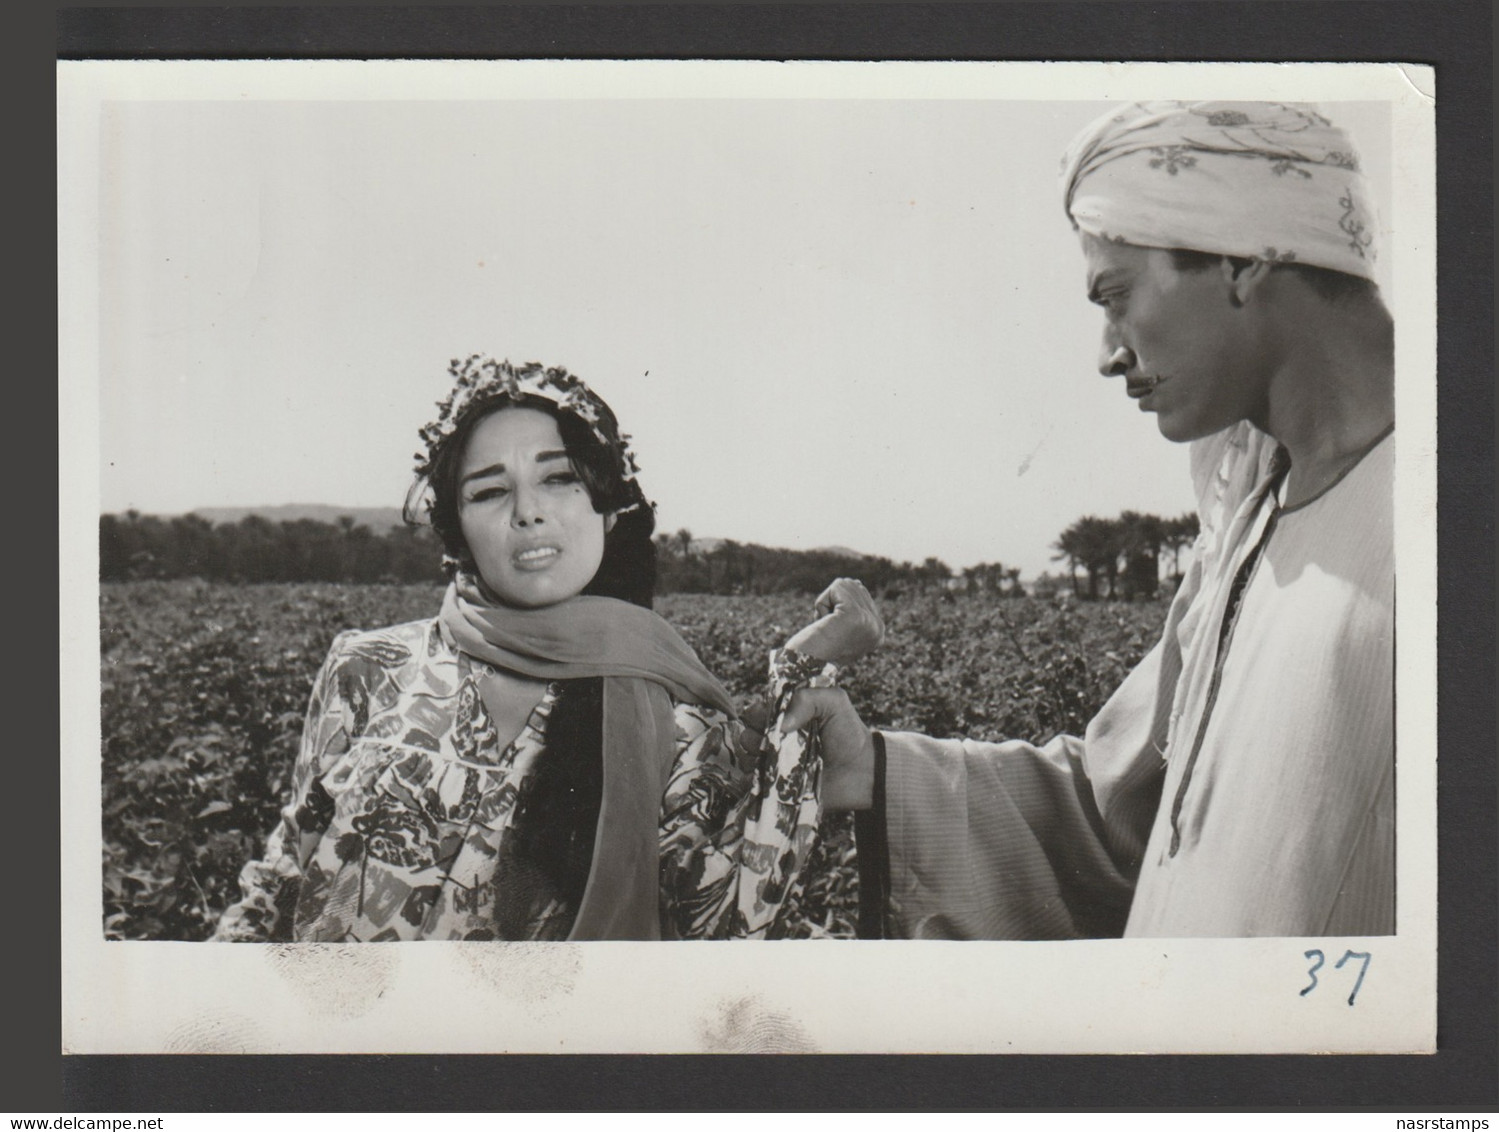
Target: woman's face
{"x":525,"y":515}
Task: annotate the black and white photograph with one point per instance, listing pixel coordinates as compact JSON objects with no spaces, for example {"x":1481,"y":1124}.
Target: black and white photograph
{"x":669,"y":547}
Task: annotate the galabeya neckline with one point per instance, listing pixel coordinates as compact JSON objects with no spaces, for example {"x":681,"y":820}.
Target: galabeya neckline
{"x":1278,"y":487}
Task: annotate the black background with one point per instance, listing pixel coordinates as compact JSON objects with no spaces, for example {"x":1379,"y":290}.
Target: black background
{"x":1454,"y":36}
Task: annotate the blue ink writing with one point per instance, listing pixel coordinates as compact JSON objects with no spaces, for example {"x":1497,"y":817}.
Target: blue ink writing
{"x":1362,"y":971}
{"x":1319,"y":959}
{"x":1312,"y":971}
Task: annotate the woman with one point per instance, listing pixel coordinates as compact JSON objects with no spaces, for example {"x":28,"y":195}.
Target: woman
{"x":546,"y":758}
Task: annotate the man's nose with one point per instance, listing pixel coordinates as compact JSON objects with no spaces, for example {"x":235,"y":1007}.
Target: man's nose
{"x":1115,"y":361}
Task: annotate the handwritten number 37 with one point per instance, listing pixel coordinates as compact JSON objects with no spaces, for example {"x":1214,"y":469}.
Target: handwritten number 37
{"x":1318,"y":959}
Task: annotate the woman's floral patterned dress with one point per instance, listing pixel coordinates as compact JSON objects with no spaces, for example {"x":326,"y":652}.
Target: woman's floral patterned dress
{"x":402,"y":799}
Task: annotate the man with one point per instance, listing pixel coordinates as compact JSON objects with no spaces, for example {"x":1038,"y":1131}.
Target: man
{"x":1241,"y":780}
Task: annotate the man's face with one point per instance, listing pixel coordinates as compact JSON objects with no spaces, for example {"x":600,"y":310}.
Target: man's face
{"x":1177,"y":337}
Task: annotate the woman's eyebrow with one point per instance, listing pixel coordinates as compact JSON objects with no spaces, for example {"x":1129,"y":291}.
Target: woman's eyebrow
{"x":499,"y":469}
{"x":480,"y":473}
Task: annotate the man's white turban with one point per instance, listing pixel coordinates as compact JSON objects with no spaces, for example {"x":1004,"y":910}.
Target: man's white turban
{"x":1259,"y":180}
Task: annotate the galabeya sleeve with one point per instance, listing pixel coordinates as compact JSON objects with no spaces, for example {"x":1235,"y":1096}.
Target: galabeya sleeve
{"x":738,"y":828}
{"x":270,"y":886}
{"x":1012,"y":840}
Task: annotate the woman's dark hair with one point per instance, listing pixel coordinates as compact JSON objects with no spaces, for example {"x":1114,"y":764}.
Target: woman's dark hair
{"x":548,"y":851}
{"x":1334,"y":286}
{"x":628,"y":568}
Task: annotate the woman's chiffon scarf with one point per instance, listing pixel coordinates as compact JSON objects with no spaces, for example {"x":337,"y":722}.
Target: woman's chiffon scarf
{"x":645,"y":666}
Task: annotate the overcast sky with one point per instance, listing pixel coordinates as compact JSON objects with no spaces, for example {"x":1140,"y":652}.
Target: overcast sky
{"x":825,"y":321}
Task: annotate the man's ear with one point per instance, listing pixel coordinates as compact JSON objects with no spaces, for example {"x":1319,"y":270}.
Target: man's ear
{"x":1244,"y":277}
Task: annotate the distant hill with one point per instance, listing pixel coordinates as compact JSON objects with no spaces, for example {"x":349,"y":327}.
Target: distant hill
{"x":709,"y":545}
{"x":377,"y":519}
{"x":840,"y":551}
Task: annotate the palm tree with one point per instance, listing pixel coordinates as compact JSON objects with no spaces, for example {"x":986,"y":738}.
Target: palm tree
{"x":1012,"y":576}
{"x":1140,"y":539}
{"x":934,"y":570}
{"x":1181,"y":532}
{"x":1069,"y":547}
{"x":1093,"y":544}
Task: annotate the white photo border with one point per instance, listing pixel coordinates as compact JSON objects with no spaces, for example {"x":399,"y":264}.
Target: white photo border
{"x":1095,"y":996}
